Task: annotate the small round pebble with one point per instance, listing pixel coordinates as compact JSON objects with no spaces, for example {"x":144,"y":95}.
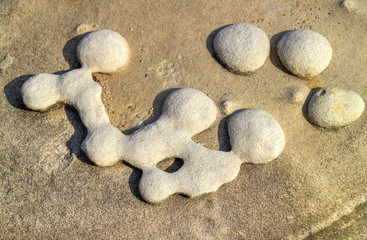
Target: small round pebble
{"x":348,"y":4}
{"x":333,"y":107}
{"x":227,"y":107}
{"x":242,"y":47}
{"x":298,"y":93}
{"x":255,"y":136}
{"x":304,"y":53}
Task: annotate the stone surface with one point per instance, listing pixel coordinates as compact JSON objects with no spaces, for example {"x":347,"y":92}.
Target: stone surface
{"x":186,"y":112}
{"x":302,"y":192}
{"x":333,"y":107}
{"x":304,"y":53}
{"x":256,"y":137}
{"x":242,"y":47}
{"x":103,"y":51}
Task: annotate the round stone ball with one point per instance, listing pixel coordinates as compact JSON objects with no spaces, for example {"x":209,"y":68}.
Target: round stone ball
{"x":41,"y":91}
{"x":190,"y":110}
{"x":103,"y":51}
{"x":333,"y":107}
{"x":256,"y":137}
{"x":304,"y":53}
{"x":242,"y":48}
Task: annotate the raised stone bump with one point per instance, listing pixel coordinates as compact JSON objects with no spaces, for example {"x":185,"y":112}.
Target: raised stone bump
{"x":190,"y":109}
{"x":103,"y":146}
{"x":304,"y":52}
{"x":41,"y":91}
{"x":256,"y":137}
{"x":103,"y":51}
{"x":242,"y":47}
{"x":333,"y":107}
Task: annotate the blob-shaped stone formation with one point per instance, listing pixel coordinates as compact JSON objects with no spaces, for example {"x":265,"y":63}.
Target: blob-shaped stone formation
{"x":242,"y":48}
{"x":256,"y":136}
{"x":304,"y":53}
{"x":333,"y":107}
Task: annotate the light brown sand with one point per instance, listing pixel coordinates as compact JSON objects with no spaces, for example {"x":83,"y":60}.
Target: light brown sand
{"x":301,"y":192}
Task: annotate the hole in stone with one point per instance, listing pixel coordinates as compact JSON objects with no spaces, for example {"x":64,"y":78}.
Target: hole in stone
{"x":170,"y":165}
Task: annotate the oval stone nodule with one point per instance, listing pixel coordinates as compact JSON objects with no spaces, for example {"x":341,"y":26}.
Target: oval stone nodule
{"x":304,"y":53}
{"x":333,"y":107}
{"x":242,"y":47}
{"x":255,"y":136}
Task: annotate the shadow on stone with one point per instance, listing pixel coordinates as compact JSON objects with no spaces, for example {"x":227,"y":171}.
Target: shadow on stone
{"x":158,"y":103}
{"x":69,"y":51}
{"x":210,"y":45}
{"x":273,"y":51}
{"x":170,"y":165}
{"x":305,"y":105}
{"x":223,"y":134}
{"x":80,"y":132}
{"x":134,"y":181}
{"x":12,"y":92}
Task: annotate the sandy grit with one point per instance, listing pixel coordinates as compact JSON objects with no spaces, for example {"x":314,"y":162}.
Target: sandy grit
{"x":319,"y":177}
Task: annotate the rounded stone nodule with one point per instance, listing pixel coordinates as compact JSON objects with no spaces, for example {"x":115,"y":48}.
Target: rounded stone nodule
{"x":242,"y":48}
{"x":304,"y":53}
{"x":255,"y":136}
{"x":103,"y":51}
{"x":333,"y":107}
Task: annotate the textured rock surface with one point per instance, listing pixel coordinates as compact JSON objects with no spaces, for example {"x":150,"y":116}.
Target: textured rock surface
{"x":333,"y":107}
{"x":319,"y":177}
{"x":304,"y":53}
{"x":256,"y":137}
{"x":242,"y":47}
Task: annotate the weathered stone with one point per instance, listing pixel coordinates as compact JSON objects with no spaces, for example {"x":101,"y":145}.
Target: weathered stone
{"x":256,"y":137}
{"x":242,"y":47}
{"x":304,"y":53}
{"x":332,"y":107}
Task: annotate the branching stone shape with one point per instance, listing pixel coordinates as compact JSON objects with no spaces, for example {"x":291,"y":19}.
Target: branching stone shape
{"x":186,"y":112}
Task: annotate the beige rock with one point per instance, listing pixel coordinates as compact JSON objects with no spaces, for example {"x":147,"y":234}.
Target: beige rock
{"x":333,"y":107}
{"x":242,"y":47}
{"x":304,"y":53}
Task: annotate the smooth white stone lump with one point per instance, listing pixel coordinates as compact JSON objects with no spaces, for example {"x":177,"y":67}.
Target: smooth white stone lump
{"x":255,"y":136}
{"x":333,"y":107}
{"x":242,"y":48}
{"x":304,"y":53}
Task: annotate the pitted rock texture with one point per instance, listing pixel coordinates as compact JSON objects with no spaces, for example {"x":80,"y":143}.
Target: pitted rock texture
{"x":333,"y":107}
{"x":242,"y":47}
{"x":255,"y":135}
{"x":304,"y":53}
